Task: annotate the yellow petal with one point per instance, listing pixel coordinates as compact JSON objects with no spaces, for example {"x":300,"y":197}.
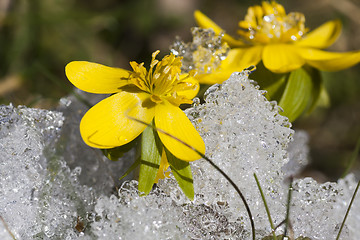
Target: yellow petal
{"x":107,"y":125}
{"x":280,"y":58}
{"x":237,"y":60}
{"x":330,"y":61}
{"x":232,"y":41}
{"x":205,"y":22}
{"x":96,"y":78}
{"x":173,"y":121}
{"x":191,"y":92}
{"x":323,"y":36}
{"x":240,"y":58}
{"x":217,"y":76}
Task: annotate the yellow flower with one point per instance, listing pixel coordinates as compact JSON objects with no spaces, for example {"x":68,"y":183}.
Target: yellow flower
{"x":153,"y":95}
{"x":280,"y":40}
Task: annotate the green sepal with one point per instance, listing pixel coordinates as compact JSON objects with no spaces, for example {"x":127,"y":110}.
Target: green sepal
{"x":297,"y":94}
{"x":324,"y":98}
{"x":131,"y":168}
{"x":317,"y":88}
{"x":182,"y":173}
{"x":151,"y":149}
{"x":273,"y":83}
{"x":114,"y":154}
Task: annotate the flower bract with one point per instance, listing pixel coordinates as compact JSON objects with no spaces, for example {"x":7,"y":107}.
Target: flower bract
{"x":146,"y":95}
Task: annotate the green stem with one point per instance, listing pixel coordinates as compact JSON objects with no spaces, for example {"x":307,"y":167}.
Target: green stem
{"x":266,"y":207}
{"x":288,"y":207}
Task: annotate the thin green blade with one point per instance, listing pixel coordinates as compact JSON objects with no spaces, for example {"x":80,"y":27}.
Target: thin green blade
{"x":182,"y":173}
{"x":151,"y":150}
{"x":131,"y":168}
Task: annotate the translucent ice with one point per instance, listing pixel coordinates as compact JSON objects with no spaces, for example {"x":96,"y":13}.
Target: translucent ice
{"x":298,"y":154}
{"x":244,"y":134}
{"x":97,"y":171}
{"x":40,"y":198}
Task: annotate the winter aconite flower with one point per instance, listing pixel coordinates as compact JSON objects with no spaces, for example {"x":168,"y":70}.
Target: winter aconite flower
{"x":149,"y":96}
{"x":281,"y":41}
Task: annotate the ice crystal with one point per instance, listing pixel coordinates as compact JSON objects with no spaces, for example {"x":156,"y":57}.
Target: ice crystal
{"x":97,"y":171}
{"x":40,"y":198}
{"x":298,"y":154}
{"x":204,"y":54}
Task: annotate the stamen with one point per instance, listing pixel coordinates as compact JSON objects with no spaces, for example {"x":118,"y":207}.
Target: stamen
{"x":162,"y":80}
{"x":155,"y":99}
{"x":153,"y":63}
{"x":167,"y":69}
{"x":155,"y":54}
{"x":269,"y":23}
{"x":156,"y":76}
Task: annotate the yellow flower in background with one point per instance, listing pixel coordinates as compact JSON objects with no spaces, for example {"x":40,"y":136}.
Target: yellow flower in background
{"x":153,"y":95}
{"x":281,"y":41}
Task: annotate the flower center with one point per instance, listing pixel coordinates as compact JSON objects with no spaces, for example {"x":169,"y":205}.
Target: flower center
{"x":163,"y":79}
{"x":270,"y":24}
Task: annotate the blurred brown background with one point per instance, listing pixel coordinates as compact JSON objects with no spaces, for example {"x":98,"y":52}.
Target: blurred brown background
{"x":39,"y":37}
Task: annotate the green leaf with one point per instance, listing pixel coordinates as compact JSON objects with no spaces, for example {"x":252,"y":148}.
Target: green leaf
{"x":297,"y":94}
{"x":182,"y":173}
{"x":115,"y":153}
{"x":151,"y":149}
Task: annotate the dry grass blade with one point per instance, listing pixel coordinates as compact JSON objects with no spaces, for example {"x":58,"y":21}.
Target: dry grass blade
{"x":7,"y":227}
{"x":348,"y":210}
